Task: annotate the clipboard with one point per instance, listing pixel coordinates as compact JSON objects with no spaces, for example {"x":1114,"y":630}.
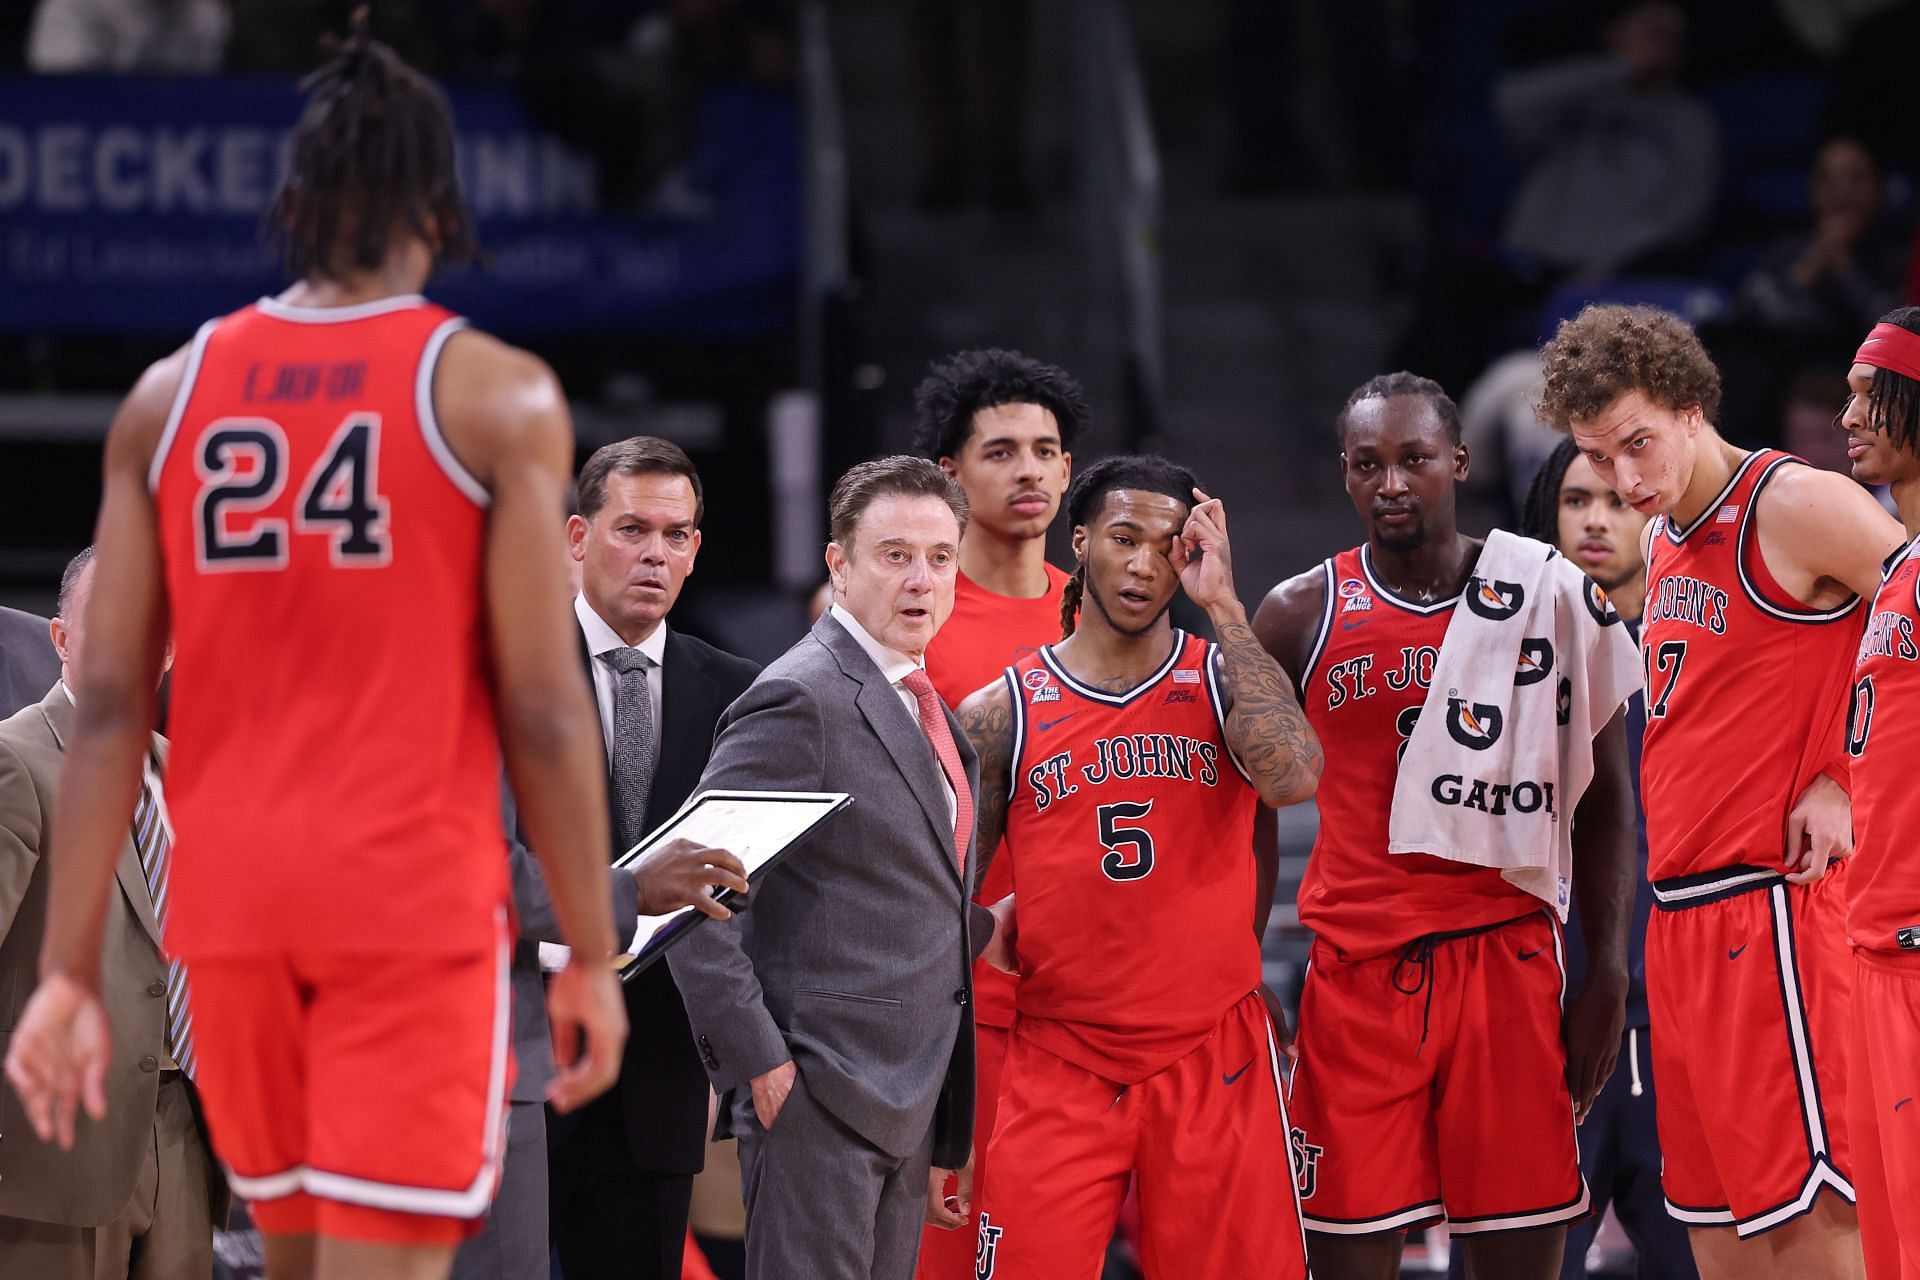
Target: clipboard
{"x":758,"y":827}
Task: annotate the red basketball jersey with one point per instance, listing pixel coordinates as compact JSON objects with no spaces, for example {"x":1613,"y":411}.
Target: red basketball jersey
{"x":985,"y":633}
{"x":1364,"y":684}
{"x":1131,"y":829}
{"x":335,"y":769}
{"x":1883,"y":738}
{"x":1746,"y":688}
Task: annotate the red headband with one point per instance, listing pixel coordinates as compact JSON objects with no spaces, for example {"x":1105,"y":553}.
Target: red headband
{"x":1892,"y":348}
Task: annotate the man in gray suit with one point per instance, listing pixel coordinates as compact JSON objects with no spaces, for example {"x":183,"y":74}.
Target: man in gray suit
{"x":833,"y":1016}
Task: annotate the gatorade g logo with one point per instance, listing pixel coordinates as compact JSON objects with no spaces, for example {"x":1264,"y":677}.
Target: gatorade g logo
{"x":1563,"y":702}
{"x":1536,"y":661}
{"x":1306,"y":1165}
{"x":984,"y":1251}
{"x":1477,"y":726}
{"x":1495,"y":600}
{"x":1599,"y":606}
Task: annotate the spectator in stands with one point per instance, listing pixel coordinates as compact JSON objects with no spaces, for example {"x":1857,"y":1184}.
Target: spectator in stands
{"x":1829,"y":282}
{"x":167,"y":36}
{"x":1804,"y":306}
{"x":1809,"y":419}
{"x":1621,"y":163}
{"x":1620,"y":174}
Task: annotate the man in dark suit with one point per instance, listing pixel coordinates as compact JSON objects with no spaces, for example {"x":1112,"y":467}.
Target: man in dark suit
{"x":620,"y":1175}
{"x":834,"y":1016}
{"x":28,"y":663}
{"x":140,"y":1193}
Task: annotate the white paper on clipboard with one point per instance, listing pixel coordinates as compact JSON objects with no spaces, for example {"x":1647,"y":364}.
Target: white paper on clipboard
{"x":755,"y":826}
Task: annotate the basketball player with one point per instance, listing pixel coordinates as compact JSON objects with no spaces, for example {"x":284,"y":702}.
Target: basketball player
{"x":1755,"y":568}
{"x":1882,"y":421}
{"x":340,"y":506}
{"x":1437,"y":1077}
{"x":1123,"y":766}
{"x":1003,"y":425}
{"x":1570,"y":507}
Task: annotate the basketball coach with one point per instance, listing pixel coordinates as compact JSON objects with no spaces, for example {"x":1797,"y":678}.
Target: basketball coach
{"x":834,"y":1016}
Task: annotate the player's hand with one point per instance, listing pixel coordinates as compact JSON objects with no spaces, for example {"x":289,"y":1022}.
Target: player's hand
{"x":1001,"y":950}
{"x":588,"y":1018}
{"x":58,"y":1056}
{"x":1595,"y":1017}
{"x":679,"y":875}
{"x":770,"y":1092}
{"x":1278,"y":1016}
{"x":1819,"y":830}
{"x":950,"y":1211}
{"x":1202,"y":558}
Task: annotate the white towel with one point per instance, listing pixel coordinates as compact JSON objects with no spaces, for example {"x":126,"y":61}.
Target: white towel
{"x":1534,"y":664}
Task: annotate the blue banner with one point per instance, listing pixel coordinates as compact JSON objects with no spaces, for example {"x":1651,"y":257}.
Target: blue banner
{"x":133,"y":205}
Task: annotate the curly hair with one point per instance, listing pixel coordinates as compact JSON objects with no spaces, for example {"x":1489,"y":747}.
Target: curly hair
{"x":1607,"y":351}
{"x":960,"y":386}
{"x":1088,"y":497}
{"x":1893,"y":399}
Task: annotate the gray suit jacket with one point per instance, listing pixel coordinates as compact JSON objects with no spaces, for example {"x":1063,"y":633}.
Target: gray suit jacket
{"x":854,"y":958}
{"x":28,"y":663}
{"x":90,"y":1185}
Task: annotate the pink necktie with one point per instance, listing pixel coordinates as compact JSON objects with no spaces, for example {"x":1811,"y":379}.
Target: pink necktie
{"x":933,"y":723}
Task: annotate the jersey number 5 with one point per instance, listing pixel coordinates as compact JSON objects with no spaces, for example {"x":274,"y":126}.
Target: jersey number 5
{"x":1114,"y":837}
{"x":242,"y":465}
{"x":1664,"y":659}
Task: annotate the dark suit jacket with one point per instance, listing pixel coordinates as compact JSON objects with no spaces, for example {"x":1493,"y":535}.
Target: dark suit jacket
{"x":855,"y":958}
{"x":662,"y":1088}
{"x":90,"y":1185}
{"x":28,"y":663}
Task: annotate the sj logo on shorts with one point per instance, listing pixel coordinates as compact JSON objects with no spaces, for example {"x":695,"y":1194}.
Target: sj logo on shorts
{"x":984,"y":1251}
{"x":1306,"y":1163}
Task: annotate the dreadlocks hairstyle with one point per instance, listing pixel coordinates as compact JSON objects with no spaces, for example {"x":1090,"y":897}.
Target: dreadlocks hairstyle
{"x":373,"y":149}
{"x":1893,"y":399}
{"x":1540,"y":519}
{"x":1145,"y":472}
{"x":963,"y":384}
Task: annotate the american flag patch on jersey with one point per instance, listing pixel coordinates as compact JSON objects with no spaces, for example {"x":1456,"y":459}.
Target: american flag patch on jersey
{"x":1728,"y":514}
{"x":1186,"y":677}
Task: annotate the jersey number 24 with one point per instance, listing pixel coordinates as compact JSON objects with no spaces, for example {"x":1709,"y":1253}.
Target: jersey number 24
{"x":242,"y":464}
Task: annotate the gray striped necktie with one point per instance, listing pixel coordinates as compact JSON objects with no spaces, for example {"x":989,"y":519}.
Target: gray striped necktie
{"x":633,"y":746}
{"x":156,"y":860}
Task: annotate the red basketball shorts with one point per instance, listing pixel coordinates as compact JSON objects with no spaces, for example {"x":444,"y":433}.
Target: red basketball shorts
{"x":1432,"y":1086}
{"x":1206,"y":1139}
{"x":951,"y":1255}
{"x":361,"y":1097}
{"x":1883,"y":1110}
{"x":1748,"y":982}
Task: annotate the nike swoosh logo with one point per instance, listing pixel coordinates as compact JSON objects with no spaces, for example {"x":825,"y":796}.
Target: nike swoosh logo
{"x":1044,"y":725}
{"x":1733,"y":953}
{"x":1227,"y":1080}
{"x":1903,"y":1102}
{"x":1357,"y":622}
{"x":1528,"y":955}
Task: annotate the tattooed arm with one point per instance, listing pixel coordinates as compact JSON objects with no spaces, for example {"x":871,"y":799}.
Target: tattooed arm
{"x":987,"y":718}
{"x":1266,"y":729}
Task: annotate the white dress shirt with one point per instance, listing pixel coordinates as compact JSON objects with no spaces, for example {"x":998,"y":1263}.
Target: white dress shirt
{"x":603,"y":639}
{"x":895,"y":667}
